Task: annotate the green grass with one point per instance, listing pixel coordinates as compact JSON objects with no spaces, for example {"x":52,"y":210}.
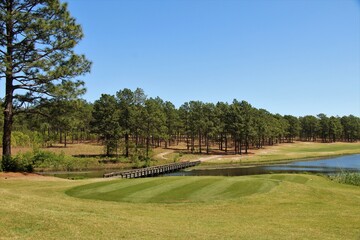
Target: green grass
{"x":174,"y":190}
{"x":285,"y":206}
{"x":292,"y":151}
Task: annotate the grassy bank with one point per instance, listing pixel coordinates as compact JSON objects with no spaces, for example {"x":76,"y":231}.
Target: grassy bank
{"x":89,"y":156}
{"x":257,"y":207}
{"x":289,"y":152}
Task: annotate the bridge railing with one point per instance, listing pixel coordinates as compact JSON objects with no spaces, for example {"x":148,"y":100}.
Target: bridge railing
{"x":151,"y":171}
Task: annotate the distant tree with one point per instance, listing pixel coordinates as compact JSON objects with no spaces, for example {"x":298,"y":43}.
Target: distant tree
{"x":61,"y":114}
{"x":186,"y":125}
{"x":293,"y":129}
{"x":281,"y":127}
{"x":324,"y":127}
{"x":236,"y":126}
{"x":351,"y":128}
{"x":126,"y":102}
{"x":76,"y":118}
{"x":137,"y":117}
{"x":197,"y":121}
{"x":84,"y":117}
{"x":261,"y":121}
{"x":37,"y":59}
{"x":223,"y":118}
{"x":335,"y":128}
{"x":309,"y":127}
{"x":248,"y":131}
{"x":209,"y":126}
{"x":105,"y":121}
{"x":171,"y":122}
{"x":153,"y":120}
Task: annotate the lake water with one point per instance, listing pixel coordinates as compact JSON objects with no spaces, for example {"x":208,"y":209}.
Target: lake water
{"x":349,"y":163}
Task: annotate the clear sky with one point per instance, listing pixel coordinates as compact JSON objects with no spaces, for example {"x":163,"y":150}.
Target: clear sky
{"x":294,"y":57}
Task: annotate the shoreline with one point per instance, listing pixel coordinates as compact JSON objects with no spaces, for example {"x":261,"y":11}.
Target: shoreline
{"x":218,"y":165}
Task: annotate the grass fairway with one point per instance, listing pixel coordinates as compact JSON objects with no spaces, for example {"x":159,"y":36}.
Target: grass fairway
{"x":175,"y":189}
{"x":253,"y":207}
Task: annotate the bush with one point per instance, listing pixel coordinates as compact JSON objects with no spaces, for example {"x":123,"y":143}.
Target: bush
{"x":19,"y":163}
{"x":352,"y":178}
{"x":27,"y":162}
{"x":53,"y":161}
{"x":8,"y":164}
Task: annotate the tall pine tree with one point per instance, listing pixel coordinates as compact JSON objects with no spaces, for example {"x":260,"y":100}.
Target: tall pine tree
{"x":37,"y":58}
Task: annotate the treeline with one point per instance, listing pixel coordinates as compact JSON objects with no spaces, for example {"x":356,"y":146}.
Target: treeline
{"x":130,"y":123}
{"x":54,"y":121}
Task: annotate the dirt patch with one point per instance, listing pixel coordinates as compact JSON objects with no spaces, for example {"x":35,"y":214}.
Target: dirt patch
{"x":203,"y":159}
{"x":18,"y":175}
{"x":162,"y":155}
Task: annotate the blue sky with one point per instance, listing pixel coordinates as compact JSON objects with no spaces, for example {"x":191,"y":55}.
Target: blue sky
{"x":294,"y":57}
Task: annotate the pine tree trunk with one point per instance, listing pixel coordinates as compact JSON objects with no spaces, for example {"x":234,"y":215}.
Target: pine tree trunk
{"x":147,"y":146}
{"x":126,"y":145}
{"x":240,"y":149}
{"x":192,"y":143}
{"x":207,"y":144}
{"x":226,"y":144}
{"x":8,"y":121}
{"x":221,"y":142}
{"x":199,"y":142}
{"x":235,"y":146}
{"x":8,"y":105}
{"x":246,"y":145}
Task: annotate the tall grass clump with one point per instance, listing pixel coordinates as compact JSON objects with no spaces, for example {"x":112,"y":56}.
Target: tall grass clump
{"x":352,"y":178}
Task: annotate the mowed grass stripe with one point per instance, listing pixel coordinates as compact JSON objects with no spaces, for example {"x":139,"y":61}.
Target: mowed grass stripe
{"x":174,"y":189}
{"x":150,"y":194}
{"x":124,"y":194}
{"x":212,"y":191}
{"x":113,"y":190}
{"x":183,"y":193}
{"x":248,"y":187}
{"x":232,"y":188}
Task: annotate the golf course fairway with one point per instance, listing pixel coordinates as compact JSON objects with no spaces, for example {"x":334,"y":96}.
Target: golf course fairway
{"x":278,"y":206}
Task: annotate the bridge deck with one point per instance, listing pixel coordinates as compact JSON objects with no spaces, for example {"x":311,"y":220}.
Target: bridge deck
{"x":151,"y":171}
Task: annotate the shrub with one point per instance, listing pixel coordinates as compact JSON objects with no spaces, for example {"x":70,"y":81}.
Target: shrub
{"x":8,"y":164}
{"x":352,"y":178}
{"x":27,"y":162}
{"x":19,"y":163}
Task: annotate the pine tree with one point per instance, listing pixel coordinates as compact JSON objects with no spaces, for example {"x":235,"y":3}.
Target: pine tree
{"x":105,"y":121}
{"x":37,"y":58}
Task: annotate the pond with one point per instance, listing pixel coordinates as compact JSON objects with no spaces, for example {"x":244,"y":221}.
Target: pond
{"x":349,"y":163}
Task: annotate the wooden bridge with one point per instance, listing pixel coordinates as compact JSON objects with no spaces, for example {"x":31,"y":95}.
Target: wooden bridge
{"x":152,"y":171}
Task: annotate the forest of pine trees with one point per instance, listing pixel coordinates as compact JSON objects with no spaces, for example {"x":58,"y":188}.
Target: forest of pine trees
{"x":130,"y":121}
